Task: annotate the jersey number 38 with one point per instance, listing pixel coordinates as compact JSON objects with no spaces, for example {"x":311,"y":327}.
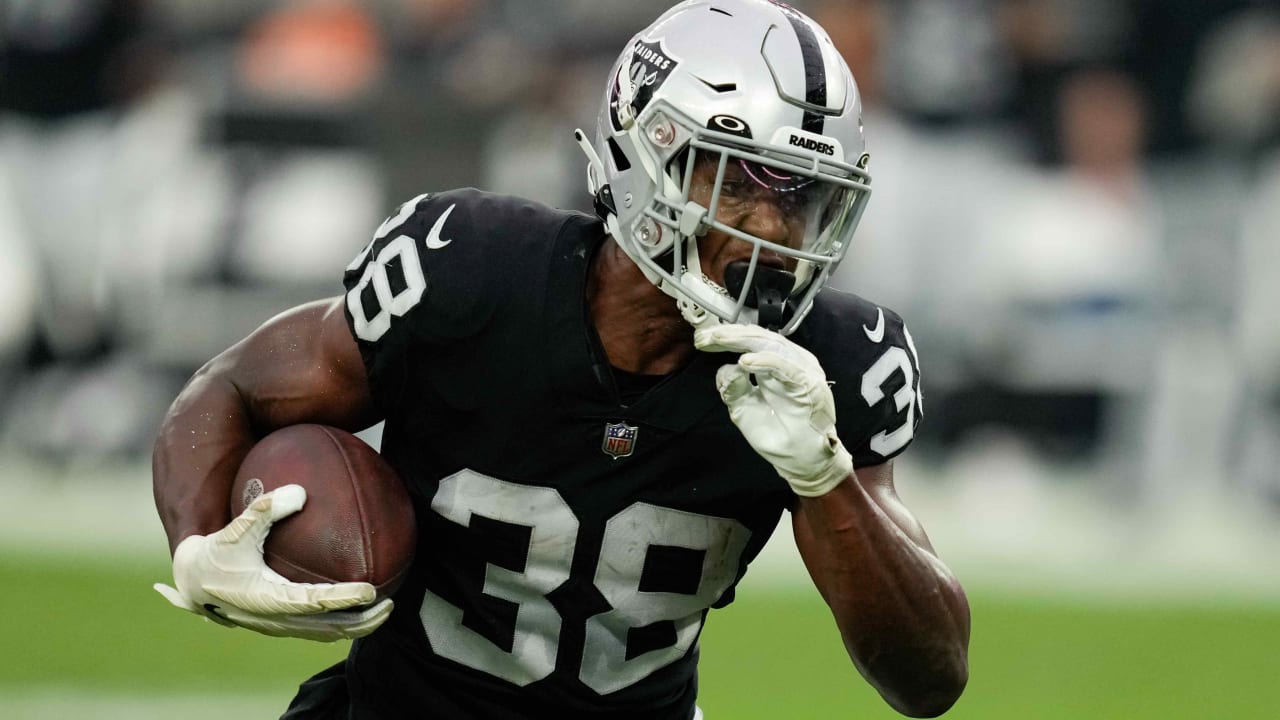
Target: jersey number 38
{"x":631,"y":536}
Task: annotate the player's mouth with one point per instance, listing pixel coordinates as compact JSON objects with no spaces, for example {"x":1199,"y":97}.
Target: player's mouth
{"x":738,"y":266}
{"x":771,"y":259}
{"x":767,"y":258}
{"x":771,"y":272}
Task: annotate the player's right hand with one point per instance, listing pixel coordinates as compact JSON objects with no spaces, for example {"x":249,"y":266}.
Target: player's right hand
{"x":787,"y":413}
{"x":223,"y":577}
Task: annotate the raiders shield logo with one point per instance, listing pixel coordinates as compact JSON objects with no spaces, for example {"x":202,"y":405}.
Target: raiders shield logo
{"x":619,"y":439}
{"x":651,"y":65}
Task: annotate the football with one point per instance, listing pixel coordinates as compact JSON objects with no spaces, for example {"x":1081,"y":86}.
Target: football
{"x":357,"y":524}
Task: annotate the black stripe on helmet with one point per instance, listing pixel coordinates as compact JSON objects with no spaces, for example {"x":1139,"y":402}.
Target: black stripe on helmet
{"x":815,"y":70}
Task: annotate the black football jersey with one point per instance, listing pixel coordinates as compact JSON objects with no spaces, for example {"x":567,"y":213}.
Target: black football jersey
{"x":570,"y":543}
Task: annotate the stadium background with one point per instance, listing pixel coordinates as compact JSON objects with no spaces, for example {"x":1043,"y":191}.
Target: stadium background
{"x":1077,"y":209}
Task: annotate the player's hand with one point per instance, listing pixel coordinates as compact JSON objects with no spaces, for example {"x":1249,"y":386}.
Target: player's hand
{"x":787,"y":414}
{"x":223,"y":577}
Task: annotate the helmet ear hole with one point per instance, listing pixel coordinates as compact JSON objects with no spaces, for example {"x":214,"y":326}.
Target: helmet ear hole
{"x":620,"y":160}
{"x":678,"y":164}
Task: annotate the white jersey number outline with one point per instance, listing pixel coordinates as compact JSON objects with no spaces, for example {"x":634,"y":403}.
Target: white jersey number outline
{"x":629,"y":535}
{"x":895,"y":359}
{"x":390,"y":303}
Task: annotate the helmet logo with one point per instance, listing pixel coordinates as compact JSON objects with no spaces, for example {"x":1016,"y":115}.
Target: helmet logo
{"x":653,"y":55}
{"x":651,"y":65}
{"x":811,"y":144}
{"x":639,"y":79}
{"x":729,"y":124}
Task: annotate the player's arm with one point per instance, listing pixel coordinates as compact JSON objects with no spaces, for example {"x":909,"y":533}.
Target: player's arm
{"x":302,"y":366}
{"x":902,"y":614}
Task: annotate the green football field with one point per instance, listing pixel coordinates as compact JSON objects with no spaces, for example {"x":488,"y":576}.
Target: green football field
{"x":88,"y":640}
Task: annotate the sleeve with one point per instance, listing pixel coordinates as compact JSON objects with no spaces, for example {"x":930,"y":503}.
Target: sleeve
{"x":421,"y":281}
{"x":878,"y":395}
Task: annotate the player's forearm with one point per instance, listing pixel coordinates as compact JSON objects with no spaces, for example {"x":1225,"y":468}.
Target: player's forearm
{"x":201,"y":443}
{"x":903,"y":615}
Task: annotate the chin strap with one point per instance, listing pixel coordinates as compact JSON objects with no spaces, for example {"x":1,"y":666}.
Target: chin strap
{"x":693,"y":313}
{"x":700,"y":286}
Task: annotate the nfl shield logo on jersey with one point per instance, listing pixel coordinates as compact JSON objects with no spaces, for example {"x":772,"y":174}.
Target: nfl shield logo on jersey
{"x":619,"y":439}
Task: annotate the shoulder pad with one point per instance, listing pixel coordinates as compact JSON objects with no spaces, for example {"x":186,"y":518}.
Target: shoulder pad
{"x":429,"y":272}
{"x":871,"y":360}
{"x":439,"y":270}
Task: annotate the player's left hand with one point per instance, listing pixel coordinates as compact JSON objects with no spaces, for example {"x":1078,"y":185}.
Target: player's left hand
{"x":788,"y":414}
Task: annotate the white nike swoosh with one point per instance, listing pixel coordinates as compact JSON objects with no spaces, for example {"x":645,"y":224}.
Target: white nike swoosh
{"x":433,"y":238}
{"x":878,"y":334}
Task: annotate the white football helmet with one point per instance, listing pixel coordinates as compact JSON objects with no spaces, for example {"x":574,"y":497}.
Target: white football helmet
{"x":757,"y":88}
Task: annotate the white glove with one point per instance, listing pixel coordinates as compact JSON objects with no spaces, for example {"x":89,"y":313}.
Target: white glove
{"x":223,"y":577}
{"x":788,"y":414}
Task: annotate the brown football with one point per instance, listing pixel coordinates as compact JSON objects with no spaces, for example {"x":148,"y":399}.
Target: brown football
{"x":357,"y":524}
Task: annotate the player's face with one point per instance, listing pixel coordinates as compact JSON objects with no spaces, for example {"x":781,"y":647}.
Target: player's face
{"x":753,"y":199}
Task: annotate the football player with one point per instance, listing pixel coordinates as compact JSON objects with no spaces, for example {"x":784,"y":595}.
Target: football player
{"x":600,"y":419}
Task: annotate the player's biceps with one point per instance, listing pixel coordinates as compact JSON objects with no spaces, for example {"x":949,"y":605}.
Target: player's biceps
{"x":304,"y":366}
{"x":346,"y":378}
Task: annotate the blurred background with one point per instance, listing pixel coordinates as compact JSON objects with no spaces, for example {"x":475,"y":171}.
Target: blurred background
{"x":1076,"y":208}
